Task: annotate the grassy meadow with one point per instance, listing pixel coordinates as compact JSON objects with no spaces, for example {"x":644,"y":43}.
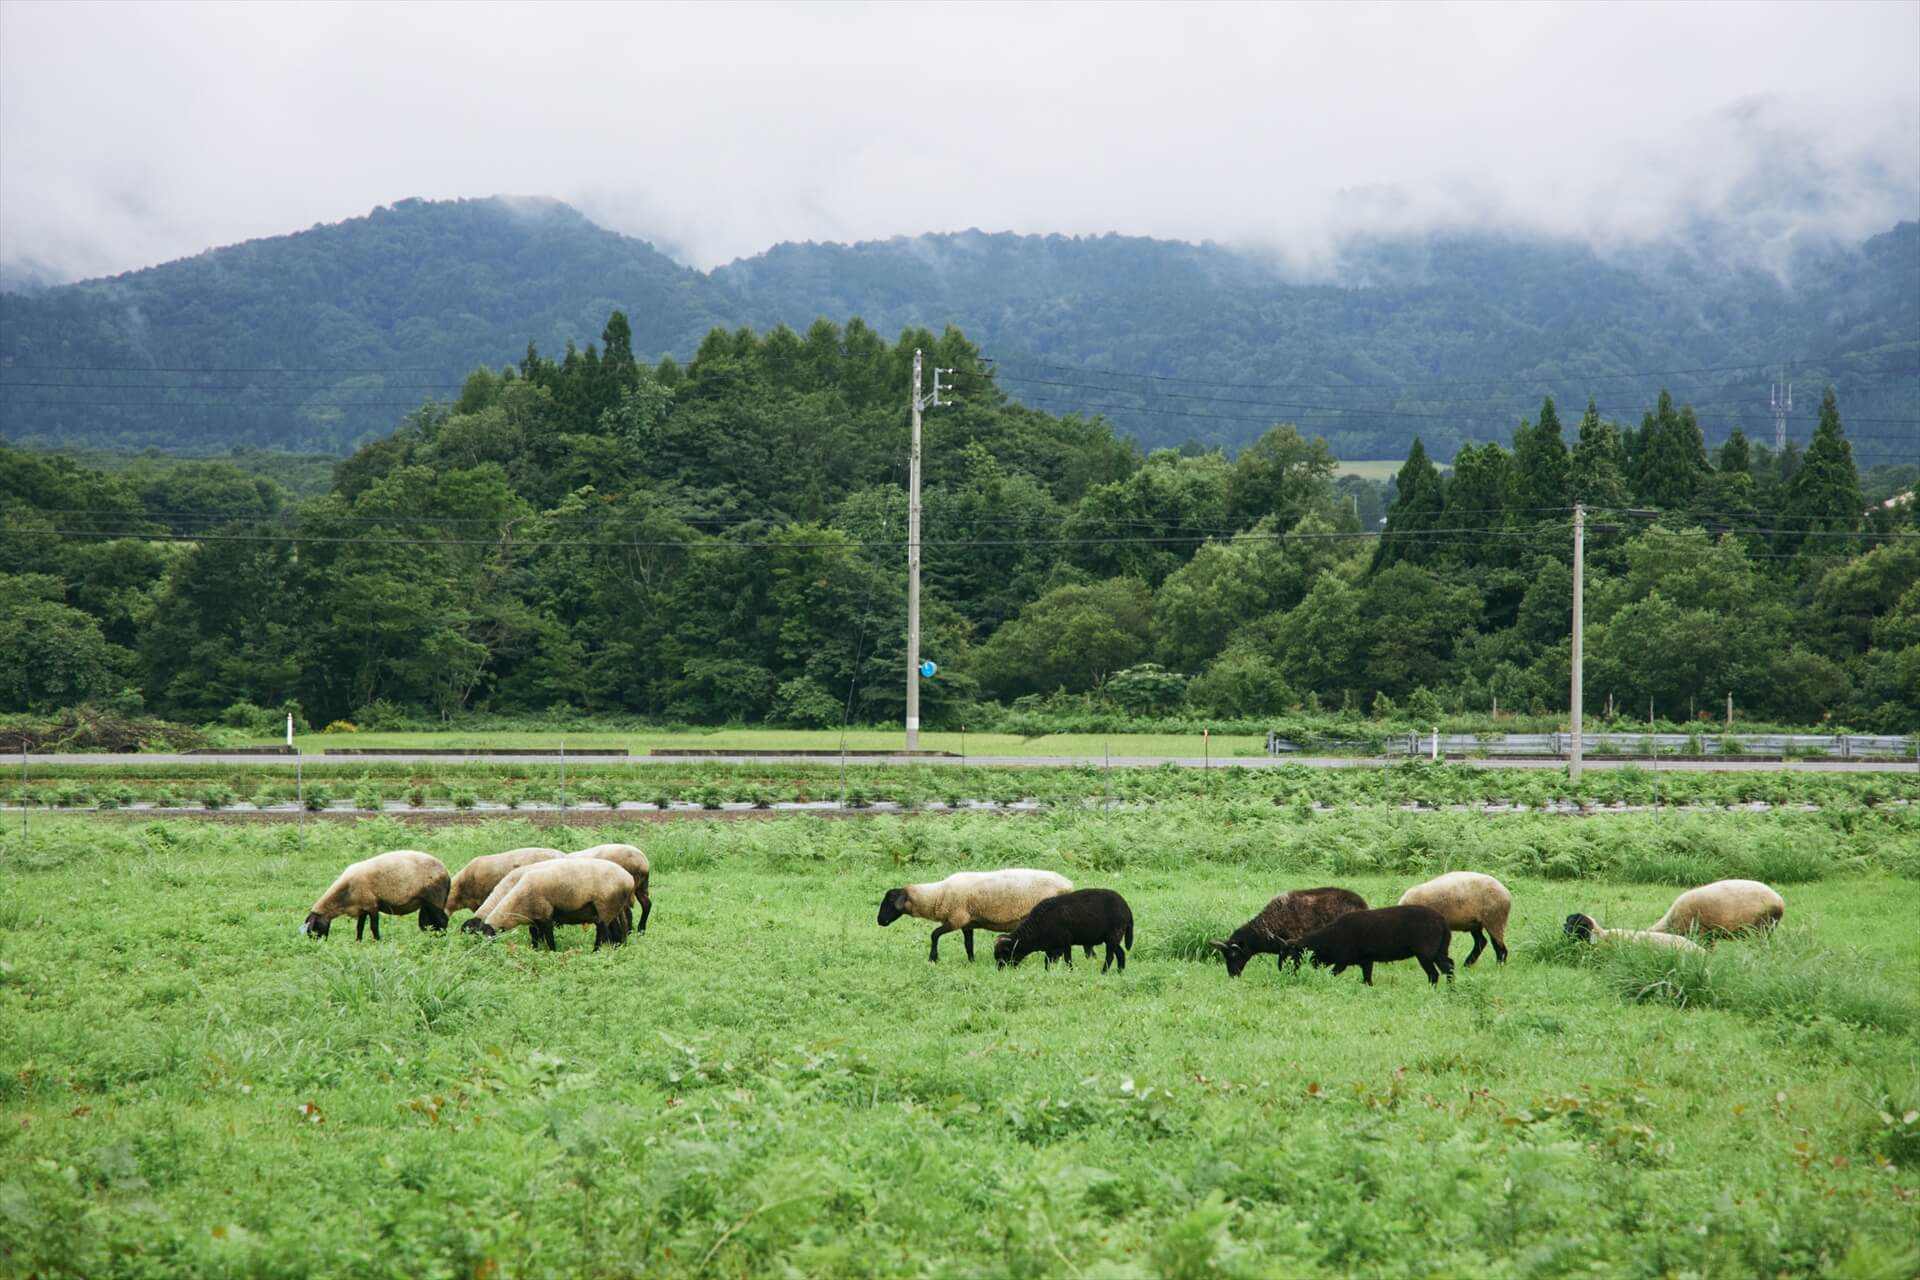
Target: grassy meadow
{"x":767,"y":1084}
{"x":774,"y":741}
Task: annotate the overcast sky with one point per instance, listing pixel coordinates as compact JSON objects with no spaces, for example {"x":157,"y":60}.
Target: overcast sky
{"x":131,"y":134}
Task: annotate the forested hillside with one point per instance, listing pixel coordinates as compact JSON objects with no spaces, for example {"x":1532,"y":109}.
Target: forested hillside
{"x":722,"y":540}
{"x":327,"y":338}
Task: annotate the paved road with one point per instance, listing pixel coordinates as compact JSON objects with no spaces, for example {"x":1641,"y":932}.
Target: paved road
{"x":1727,"y":765}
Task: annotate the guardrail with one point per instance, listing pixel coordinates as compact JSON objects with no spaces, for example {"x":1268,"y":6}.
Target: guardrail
{"x":1846,"y":746}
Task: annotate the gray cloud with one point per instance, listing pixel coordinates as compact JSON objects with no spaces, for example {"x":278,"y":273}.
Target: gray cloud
{"x":131,"y":134}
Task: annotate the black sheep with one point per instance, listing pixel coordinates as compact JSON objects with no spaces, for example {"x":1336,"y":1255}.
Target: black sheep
{"x":1057,"y":925}
{"x":1284,"y":921}
{"x":1367,"y":938}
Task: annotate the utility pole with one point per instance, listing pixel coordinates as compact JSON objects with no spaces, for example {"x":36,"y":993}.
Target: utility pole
{"x":913,"y":553}
{"x":1782,"y":406}
{"x":1579,"y":647}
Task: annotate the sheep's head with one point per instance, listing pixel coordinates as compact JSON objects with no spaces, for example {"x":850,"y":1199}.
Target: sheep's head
{"x":432,"y":917}
{"x":316,"y":925}
{"x":1236,"y":954}
{"x":892,"y":906}
{"x":1581,"y":927}
{"x":475,"y":924}
{"x":1003,"y":951}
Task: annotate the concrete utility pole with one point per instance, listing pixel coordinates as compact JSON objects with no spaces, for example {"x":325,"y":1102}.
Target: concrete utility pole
{"x":913,"y":554}
{"x":1782,"y":406}
{"x":1579,"y":646}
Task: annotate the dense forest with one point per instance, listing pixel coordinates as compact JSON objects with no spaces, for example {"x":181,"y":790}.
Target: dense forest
{"x":322,"y":339}
{"x":721,"y":540}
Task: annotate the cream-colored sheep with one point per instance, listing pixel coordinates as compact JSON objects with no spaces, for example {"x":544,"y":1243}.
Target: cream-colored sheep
{"x":635,"y":864}
{"x":562,"y":891}
{"x":1587,"y":930}
{"x":969,"y":900}
{"x":1472,"y":903}
{"x":398,"y":883}
{"x":473,"y":882}
{"x":1725,"y":906}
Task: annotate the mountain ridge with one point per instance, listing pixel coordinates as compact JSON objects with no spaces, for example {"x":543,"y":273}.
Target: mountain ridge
{"x":440,"y":287}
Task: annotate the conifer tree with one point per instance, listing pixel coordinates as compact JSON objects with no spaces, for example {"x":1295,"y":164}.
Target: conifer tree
{"x":1422,"y":494}
{"x":1824,"y":494}
{"x":1538,"y":487}
{"x":1595,"y":474}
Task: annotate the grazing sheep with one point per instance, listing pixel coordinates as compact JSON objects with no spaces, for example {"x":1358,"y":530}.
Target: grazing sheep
{"x":562,"y":891}
{"x":473,"y":882}
{"x":1725,"y":906}
{"x":1286,"y":919}
{"x":1587,"y":929}
{"x":398,"y":883}
{"x":1058,"y":924}
{"x":1367,"y":938}
{"x":969,"y":900}
{"x":1470,"y":902}
{"x":635,"y":864}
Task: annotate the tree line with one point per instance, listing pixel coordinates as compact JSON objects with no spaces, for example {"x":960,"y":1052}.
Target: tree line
{"x":723,"y":541}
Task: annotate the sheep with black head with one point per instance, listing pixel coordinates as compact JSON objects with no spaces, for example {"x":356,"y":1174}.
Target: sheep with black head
{"x":397,"y":883}
{"x":1381,"y":936}
{"x":1079,"y":919}
{"x":1282,"y":922}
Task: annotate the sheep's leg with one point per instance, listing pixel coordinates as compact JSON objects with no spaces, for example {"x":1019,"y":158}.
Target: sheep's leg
{"x":599,"y":934}
{"x":646,"y":909}
{"x":966,"y":936}
{"x":1446,"y":967}
{"x":1366,"y":972}
{"x":360,"y":927}
{"x":1479,"y":945}
{"x":1499,"y":945}
{"x":374,"y":915}
{"x":933,"y":944}
{"x":1089,"y":947}
{"x":1433,"y":971}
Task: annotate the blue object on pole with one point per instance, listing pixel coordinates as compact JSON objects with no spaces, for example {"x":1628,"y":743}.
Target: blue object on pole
{"x":927,"y":669}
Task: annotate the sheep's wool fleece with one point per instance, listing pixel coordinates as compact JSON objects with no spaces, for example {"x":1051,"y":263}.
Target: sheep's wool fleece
{"x":1463,"y":897}
{"x":563,"y":886}
{"x":1297,"y":913}
{"x":398,"y":878}
{"x":1670,"y":940}
{"x":996,"y":900}
{"x":1724,"y":907}
{"x":479,"y":878}
{"x":624,"y":856}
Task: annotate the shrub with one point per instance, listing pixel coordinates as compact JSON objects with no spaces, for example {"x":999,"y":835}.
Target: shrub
{"x":341,"y":726}
{"x":318,"y":798}
{"x":465,"y":798}
{"x":369,"y":796}
{"x":216,"y":796}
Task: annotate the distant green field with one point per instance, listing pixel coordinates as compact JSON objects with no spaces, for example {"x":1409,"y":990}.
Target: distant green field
{"x":768,"y":1084}
{"x":1369,"y":468}
{"x":777,"y":740}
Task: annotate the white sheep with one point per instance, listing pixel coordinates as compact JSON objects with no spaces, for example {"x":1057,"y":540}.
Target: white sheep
{"x":473,"y":882}
{"x":1587,"y":930}
{"x":398,"y":883}
{"x":1471,"y":903}
{"x":969,"y":900}
{"x":635,"y":864}
{"x":1725,"y":906}
{"x":561,"y":891}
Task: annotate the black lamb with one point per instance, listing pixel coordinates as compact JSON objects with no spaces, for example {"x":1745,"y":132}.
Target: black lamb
{"x":1057,"y":925}
{"x":1284,"y":921}
{"x":1367,"y":938}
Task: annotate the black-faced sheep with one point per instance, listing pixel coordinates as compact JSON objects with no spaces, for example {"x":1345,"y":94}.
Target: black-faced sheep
{"x":562,"y":891}
{"x":1471,"y":903}
{"x":398,"y":883}
{"x":1587,"y":929}
{"x":1058,"y":924}
{"x":473,"y":882}
{"x":1725,"y":906}
{"x":1380,"y":936}
{"x":1285,"y":920}
{"x":634,"y":863}
{"x":969,"y":900}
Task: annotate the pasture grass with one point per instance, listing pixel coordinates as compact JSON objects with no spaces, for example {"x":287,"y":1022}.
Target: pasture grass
{"x":774,"y":741}
{"x":767,"y":1084}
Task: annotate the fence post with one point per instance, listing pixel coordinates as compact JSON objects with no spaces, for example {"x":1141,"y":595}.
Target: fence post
{"x":1436,"y":744}
{"x":26,"y":794}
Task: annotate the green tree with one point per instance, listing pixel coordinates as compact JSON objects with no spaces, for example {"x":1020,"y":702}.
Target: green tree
{"x":1072,"y":638}
{"x":1280,"y":477}
{"x":1824,"y":494}
{"x":1539,"y":478}
{"x":1416,"y":509}
{"x":1594,"y":475}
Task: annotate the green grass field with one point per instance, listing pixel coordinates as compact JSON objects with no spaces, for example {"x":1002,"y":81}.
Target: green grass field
{"x":1381,"y":469}
{"x":767,"y":1084}
{"x":749,"y":741}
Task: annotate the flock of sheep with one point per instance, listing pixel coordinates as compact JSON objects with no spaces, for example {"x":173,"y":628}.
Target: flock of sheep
{"x":1033,"y":911}
{"x":1040,"y":911}
{"x":535,"y":887}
